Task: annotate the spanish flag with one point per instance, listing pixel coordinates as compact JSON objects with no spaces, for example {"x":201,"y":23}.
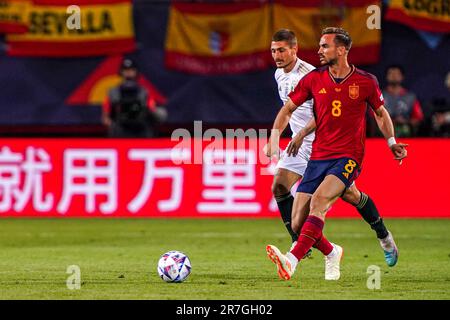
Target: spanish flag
{"x":224,"y":38}
{"x":58,"y":28}
{"x":432,"y":16}
{"x":308,"y":18}
{"x":14,"y":16}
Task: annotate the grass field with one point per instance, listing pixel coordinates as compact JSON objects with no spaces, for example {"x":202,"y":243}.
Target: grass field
{"x":118,"y":260}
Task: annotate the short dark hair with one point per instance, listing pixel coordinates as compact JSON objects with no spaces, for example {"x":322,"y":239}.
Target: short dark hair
{"x":342,"y":37}
{"x":285,"y":35}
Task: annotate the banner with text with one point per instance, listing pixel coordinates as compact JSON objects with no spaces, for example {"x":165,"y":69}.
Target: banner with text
{"x":161,"y":178}
{"x":57,"y":28}
{"x":14,"y":16}
{"x":432,"y":16}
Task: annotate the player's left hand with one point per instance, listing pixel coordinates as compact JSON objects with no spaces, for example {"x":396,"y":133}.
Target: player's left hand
{"x":399,"y":151}
{"x":271,"y":151}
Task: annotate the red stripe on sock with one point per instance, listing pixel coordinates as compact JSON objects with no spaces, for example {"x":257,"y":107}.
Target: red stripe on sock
{"x":323,"y":245}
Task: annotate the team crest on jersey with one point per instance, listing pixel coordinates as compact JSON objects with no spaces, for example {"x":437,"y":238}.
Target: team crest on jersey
{"x":353,"y":92}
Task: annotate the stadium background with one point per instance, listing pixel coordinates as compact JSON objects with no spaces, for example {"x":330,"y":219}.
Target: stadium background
{"x":36,"y":91}
{"x":54,"y":89}
{"x":51,"y":138}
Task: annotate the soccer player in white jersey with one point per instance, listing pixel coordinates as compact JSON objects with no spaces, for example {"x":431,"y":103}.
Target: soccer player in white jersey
{"x":293,"y":161}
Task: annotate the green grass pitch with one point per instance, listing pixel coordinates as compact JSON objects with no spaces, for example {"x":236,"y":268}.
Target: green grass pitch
{"x":118,"y":259}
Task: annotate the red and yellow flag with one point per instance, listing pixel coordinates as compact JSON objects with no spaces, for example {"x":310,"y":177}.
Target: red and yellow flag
{"x":221,"y":38}
{"x":433,"y":16}
{"x":105,"y":27}
{"x":94,"y":89}
{"x":308,"y":18}
{"x":14,"y":16}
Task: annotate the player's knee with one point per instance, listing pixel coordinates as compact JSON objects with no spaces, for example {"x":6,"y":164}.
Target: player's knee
{"x":319,"y":205}
{"x":352,"y":196}
{"x":319,"y":200}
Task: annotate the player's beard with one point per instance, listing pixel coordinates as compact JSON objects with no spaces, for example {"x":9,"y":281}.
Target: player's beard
{"x":330,"y":62}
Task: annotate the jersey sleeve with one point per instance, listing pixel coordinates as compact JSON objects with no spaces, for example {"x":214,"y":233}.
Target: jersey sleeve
{"x":375,"y":99}
{"x":303,"y":90}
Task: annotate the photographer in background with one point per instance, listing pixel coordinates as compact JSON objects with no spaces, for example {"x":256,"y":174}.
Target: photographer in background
{"x":402,"y":104}
{"x":129,"y":111}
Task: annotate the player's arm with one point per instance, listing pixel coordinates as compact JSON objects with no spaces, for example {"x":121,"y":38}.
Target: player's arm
{"x":297,"y":141}
{"x":280,"y":123}
{"x":386,"y":127}
{"x":301,"y":93}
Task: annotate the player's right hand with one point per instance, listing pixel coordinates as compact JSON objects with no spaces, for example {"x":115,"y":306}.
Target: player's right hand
{"x":399,"y":151}
{"x":294,"y":145}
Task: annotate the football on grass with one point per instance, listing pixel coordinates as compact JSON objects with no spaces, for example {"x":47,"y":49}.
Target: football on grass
{"x":174,"y":266}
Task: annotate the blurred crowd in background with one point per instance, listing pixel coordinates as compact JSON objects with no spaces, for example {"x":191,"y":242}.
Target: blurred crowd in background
{"x":142,"y":68}
{"x":411,"y":117}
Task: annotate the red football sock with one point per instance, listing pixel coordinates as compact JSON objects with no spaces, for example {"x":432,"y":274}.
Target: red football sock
{"x":311,"y":232}
{"x":323,"y":245}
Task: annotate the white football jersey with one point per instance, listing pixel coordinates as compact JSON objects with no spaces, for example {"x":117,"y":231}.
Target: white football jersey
{"x":286,"y":83}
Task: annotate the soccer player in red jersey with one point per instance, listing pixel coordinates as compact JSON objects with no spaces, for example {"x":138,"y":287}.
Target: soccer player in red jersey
{"x":341,"y":94}
{"x":292,"y":164}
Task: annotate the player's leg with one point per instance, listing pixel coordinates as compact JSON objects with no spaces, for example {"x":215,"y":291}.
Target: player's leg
{"x":311,"y":233}
{"x":281,"y":188}
{"x":293,"y":168}
{"x":300,"y":210}
{"x":302,"y":202}
{"x":336,"y":176}
{"x":367,"y":209}
{"x":311,"y":230}
{"x":327,"y":193}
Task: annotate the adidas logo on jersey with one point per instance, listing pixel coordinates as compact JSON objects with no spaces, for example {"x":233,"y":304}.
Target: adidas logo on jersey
{"x":323,"y":90}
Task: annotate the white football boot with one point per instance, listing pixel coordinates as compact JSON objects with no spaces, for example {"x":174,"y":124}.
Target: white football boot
{"x":285,"y":266}
{"x":332,"y":263}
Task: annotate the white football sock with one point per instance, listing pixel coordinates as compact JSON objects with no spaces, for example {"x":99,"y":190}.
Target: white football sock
{"x":293,"y":259}
{"x":332,"y":253}
{"x":386,"y":243}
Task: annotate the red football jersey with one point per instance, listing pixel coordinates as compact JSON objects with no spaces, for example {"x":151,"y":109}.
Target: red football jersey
{"x":339,"y":110}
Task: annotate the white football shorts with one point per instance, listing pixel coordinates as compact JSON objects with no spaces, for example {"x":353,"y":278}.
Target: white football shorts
{"x":295,"y":164}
